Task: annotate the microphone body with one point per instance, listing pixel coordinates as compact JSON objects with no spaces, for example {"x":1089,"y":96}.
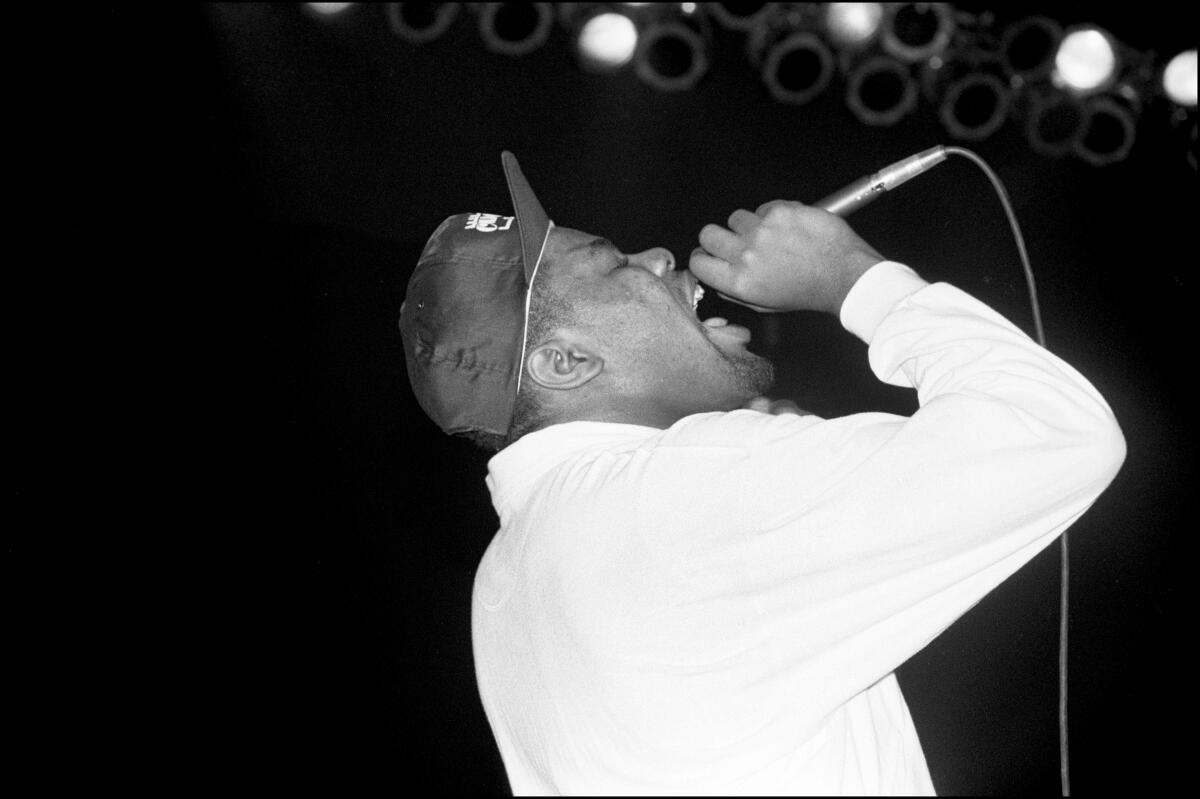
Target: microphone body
{"x":862,"y":191}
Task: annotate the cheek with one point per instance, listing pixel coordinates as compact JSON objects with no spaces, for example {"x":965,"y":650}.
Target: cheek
{"x":634,"y":314}
{"x":647,"y":323}
{"x":668,"y":346}
{"x":661,"y":323}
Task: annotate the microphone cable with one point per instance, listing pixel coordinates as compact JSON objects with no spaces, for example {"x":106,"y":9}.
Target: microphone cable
{"x":1065,"y":574}
{"x":866,"y":190}
{"x":1040,"y":334}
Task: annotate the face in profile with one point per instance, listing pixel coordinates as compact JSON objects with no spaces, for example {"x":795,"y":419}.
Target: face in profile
{"x":635,"y":314}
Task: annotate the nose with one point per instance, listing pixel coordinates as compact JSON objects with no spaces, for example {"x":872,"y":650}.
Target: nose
{"x":657,"y":260}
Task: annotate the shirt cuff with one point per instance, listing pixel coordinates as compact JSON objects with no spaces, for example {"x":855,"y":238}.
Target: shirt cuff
{"x":876,"y":293}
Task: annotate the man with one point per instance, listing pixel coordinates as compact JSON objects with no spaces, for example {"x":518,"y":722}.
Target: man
{"x":689,"y":593}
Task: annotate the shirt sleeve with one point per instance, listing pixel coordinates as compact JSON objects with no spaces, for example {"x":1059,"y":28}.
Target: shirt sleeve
{"x":857,"y":540}
{"x":874,"y":294}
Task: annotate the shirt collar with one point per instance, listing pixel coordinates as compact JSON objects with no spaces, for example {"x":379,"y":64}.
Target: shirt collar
{"x":513,"y":469}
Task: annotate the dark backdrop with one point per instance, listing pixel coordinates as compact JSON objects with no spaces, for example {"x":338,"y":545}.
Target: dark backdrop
{"x":316,"y":158}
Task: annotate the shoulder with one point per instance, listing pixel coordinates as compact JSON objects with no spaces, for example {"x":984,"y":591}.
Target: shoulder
{"x":740,"y":429}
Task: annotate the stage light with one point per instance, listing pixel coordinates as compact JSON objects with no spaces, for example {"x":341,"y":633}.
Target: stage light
{"x":1179,"y":78}
{"x":1108,"y":132}
{"x":607,"y":41}
{"x":327,"y":9}
{"x":853,"y":24}
{"x":740,"y":16}
{"x":671,"y":56}
{"x":974,"y":106}
{"x":515,"y":28}
{"x":1029,"y":47}
{"x":1053,"y":122}
{"x":797,"y":69}
{"x":880,"y":91}
{"x":420,"y":22}
{"x":1086,"y":61}
{"x":917,"y":31}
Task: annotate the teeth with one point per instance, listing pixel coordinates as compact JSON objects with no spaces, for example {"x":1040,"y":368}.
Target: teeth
{"x":696,"y":296}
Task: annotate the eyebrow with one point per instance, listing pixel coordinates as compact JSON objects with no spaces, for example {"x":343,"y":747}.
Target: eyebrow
{"x":597,"y":242}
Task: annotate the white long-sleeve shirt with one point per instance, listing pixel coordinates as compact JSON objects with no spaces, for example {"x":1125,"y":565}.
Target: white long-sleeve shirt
{"x":719,"y":607}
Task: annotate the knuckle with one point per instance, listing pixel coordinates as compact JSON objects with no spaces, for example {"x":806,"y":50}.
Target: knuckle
{"x":778,"y":211}
{"x":775,"y":208}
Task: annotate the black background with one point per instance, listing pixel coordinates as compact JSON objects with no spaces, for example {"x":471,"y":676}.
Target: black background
{"x":296,"y":166}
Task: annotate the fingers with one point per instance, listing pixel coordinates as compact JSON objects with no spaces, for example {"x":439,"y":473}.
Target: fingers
{"x":716,"y":272}
{"x":722,"y":276}
{"x":774,"y":407}
{"x":787,"y":406}
{"x":719,"y":247}
{"x":720,"y":242}
{"x":742,"y":221}
{"x":761,"y":404}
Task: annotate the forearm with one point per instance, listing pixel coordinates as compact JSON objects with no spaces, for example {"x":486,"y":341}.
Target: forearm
{"x":975,"y":372}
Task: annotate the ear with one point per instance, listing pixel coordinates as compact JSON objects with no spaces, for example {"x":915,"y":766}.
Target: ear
{"x":558,"y":364}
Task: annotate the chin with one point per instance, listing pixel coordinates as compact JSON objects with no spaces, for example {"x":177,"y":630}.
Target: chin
{"x":753,"y":375}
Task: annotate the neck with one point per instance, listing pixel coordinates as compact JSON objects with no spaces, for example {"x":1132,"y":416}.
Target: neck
{"x":625,"y":410}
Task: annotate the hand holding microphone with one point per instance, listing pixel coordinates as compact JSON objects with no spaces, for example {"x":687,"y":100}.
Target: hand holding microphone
{"x":786,"y":256}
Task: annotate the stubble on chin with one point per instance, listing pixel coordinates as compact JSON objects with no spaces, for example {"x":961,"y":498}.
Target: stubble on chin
{"x":754,"y":375}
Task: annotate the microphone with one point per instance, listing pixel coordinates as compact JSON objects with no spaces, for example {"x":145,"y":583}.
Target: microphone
{"x":862,"y":191}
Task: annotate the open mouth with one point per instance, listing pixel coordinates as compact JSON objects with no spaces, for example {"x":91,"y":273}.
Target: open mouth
{"x":697,"y":295}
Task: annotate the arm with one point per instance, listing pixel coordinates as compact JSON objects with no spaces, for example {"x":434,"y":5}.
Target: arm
{"x":894,"y":527}
{"x":787,"y":256}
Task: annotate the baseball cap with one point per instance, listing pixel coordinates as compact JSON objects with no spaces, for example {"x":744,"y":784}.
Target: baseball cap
{"x":464,"y":315}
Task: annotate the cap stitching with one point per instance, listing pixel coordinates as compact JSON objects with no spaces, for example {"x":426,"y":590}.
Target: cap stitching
{"x":434,"y":358}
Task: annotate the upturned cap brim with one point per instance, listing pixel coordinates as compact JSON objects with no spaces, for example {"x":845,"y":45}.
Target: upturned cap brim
{"x":531,"y":217}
